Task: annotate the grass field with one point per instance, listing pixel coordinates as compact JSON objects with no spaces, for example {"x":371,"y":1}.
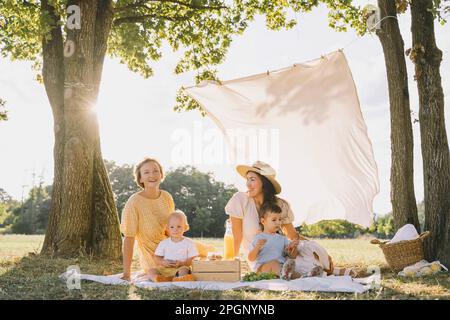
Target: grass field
{"x":26,"y":275}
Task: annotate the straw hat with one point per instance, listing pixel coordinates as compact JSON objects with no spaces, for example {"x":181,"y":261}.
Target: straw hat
{"x":263,"y":169}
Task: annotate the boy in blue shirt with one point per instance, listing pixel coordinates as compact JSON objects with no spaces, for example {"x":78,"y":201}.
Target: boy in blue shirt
{"x":269,"y":247}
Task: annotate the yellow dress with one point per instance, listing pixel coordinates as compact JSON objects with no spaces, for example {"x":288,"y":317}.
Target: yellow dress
{"x":146,"y":220}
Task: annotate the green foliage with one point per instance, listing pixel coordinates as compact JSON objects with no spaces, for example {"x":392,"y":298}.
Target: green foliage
{"x":196,"y":193}
{"x":383,"y":228}
{"x":344,"y":14}
{"x":122,"y":183}
{"x":201,"y":29}
{"x":6,"y":213}
{"x":441,"y":10}
{"x":4,"y":196}
{"x":23,"y":26}
{"x":341,"y":15}
{"x":202,"y":221}
{"x":185,"y":103}
{"x":331,"y":229}
{"x":32,"y":216}
{"x":7,"y":206}
{"x":201,"y":197}
{"x":3,"y":112}
{"x":253,"y":276}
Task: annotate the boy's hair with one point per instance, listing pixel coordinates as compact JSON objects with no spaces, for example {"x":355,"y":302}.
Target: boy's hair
{"x":137,"y":170}
{"x":179,"y":214}
{"x":269,"y":207}
{"x":266,"y":208}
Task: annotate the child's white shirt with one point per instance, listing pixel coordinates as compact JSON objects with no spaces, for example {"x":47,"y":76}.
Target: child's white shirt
{"x":182,"y":250}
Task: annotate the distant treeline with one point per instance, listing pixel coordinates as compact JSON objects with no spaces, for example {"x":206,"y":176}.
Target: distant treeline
{"x":197,"y":193}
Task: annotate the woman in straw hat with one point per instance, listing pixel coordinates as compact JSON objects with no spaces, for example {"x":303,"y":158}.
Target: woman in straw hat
{"x":243,"y":207}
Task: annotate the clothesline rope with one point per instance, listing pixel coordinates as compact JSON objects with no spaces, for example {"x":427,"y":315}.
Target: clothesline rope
{"x":323,"y":56}
{"x":369,"y":30}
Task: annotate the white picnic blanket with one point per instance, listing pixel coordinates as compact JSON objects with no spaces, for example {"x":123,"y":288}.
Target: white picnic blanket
{"x":319,"y":284}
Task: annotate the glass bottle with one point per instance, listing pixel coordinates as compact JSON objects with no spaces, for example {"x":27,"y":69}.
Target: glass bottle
{"x":228,"y":241}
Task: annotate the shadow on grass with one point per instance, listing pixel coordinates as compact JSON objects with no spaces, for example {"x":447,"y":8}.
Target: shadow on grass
{"x":395,"y":287}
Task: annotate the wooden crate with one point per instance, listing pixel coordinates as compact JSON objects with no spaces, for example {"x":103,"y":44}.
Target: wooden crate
{"x":217,"y":270}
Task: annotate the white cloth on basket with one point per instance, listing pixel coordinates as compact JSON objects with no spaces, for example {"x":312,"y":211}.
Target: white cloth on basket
{"x":407,"y":232}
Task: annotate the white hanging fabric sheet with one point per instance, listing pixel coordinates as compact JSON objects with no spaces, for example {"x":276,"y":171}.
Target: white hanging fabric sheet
{"x":306,"y":122}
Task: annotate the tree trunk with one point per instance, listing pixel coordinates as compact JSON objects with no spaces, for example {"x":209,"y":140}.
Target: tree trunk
{"x":403,"y":199}
{"x":435,"y":150}
{"x":83,"y":217}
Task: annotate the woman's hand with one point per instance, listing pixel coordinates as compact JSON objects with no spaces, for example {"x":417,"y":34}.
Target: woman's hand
{"x":291,"y":249}
{"x":290,"y":232}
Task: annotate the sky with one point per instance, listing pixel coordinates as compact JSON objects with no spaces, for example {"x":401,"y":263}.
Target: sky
{"x":136,"y":116}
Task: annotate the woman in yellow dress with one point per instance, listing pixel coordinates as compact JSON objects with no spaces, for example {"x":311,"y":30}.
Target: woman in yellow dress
{"x":145,"y":216}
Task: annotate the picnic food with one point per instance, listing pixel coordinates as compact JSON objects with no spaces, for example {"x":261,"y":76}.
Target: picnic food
{"x":203,"y":248}
{"x":214,"y":257}
{"x":422,"y":268}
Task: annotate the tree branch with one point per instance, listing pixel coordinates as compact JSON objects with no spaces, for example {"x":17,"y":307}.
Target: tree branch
{"x":142,"y":4}
{"x":102,"y":29}
{"x":194,"y":6}
{"x":143,"y":18}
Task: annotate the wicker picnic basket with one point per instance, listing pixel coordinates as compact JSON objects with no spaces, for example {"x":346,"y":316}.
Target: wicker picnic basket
{"x":403,"y":253}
